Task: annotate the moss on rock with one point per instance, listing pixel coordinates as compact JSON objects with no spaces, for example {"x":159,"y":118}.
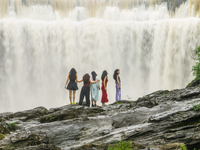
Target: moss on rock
{"x":1,"y":136}
{"x":194,"y":83}
{"x":4,"y":130}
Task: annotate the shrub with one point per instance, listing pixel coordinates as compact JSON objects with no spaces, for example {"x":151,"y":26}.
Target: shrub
{"x":122,"y":145}
{"x":183,"y":147}
{"x":196,"y":67}
{"x":196,"y":106}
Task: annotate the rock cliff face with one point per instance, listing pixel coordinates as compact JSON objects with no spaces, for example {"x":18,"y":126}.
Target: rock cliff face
{"x":161,"y":120}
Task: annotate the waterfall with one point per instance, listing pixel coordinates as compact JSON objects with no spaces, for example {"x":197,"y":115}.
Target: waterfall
{"x":150,"y":41}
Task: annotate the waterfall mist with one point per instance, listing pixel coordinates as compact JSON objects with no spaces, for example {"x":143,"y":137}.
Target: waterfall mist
{"x":150,"y":41}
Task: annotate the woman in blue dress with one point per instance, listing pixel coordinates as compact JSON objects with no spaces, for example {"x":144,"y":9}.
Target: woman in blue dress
{"x":94,"y":89}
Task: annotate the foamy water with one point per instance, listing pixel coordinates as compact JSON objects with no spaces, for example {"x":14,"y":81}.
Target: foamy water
{"x":40,"y":41}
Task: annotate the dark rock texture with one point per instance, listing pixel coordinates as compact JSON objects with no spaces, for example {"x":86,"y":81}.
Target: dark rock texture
{"x":160,"y":121}
{"x":194,"y":83}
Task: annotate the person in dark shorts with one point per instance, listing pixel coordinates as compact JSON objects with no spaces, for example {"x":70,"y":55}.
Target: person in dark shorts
{"x":72,"y":85}
{"x":85,"y":91}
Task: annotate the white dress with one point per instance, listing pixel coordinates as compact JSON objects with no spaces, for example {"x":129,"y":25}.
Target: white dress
{"x":94,"y":90}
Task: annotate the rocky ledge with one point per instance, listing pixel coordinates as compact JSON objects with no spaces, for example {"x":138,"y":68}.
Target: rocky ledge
{"x":163,"y":120}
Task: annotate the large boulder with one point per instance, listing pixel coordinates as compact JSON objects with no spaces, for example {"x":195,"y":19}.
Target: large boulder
{"x":158,"y":121}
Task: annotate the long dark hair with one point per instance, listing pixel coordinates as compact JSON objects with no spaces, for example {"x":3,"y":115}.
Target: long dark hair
{"x":104,"y":74}
{"x":86,"y":78}
{"x":115,"y":74}
{"x":94,"y":75}
{"x":72,"y":74}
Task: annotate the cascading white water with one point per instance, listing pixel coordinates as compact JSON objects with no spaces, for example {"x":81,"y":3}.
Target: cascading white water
{"x":150,"y":41}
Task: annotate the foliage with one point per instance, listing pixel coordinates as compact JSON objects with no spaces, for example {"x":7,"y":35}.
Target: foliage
{"x":1,"y":136}
{"x":122,"y":145}
{"x":160,"y":92}
{"x":10,"y":147}
{"x":183,"y":147}
{"x":118,"y":103}
{"x":10,"y":126}
{"x":49,"y":118}
{"x":196,"y":67}
{"x":196,"y":106}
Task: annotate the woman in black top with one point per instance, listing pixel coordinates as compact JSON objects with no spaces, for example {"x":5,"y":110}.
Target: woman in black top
{"x":72,"y":85}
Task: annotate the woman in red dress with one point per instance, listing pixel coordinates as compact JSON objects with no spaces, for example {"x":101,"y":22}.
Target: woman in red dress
{"x":104,"y":79}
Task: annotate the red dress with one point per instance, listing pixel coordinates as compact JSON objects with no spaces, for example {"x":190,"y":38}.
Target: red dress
{"x":104,"y":98}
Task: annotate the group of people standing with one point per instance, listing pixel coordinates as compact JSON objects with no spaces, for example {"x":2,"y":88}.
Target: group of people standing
{"x":91,"y":84}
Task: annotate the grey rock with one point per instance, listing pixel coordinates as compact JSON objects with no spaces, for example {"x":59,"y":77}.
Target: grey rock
{"x":160,"y":120}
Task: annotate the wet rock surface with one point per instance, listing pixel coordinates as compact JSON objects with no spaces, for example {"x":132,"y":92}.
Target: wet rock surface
{"x":158,"y":121}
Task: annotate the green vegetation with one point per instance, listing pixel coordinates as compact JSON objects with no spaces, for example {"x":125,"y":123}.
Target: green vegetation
{"x":10,"y":147}
{"x":180,"y":113}
{"x":1,"y":136}
{"x":122,"y":145}
{"x":11,"y":125}
{"x":183,"y":147}
{"x":196,"y":106}
{"x":49,"y":118}
{"x":160,"y":93}
{"x":196,"y":67}
{"x":118,"y":103}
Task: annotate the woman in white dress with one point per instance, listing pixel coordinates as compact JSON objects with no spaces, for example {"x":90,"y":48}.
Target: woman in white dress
{"x":94,"y":89}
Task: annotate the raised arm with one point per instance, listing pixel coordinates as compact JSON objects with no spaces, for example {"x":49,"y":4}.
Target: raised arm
{"x":67,"y":82}
{"x":104,"y":83}
{"x":118,"y":81}
{"x":93,"y":81}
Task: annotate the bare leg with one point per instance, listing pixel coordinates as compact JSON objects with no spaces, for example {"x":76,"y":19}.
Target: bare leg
{"x":74,"y":92}
{"x":70,"y":96}
{"x":95,"y":103}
